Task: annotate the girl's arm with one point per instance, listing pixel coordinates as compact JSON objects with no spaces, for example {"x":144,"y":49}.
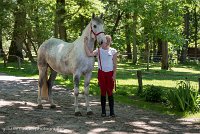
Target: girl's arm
{"x":89,"y":53}
{"x":114,"y":66}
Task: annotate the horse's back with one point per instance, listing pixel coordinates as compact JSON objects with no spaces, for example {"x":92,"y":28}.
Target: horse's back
{"x":64,"y":57}
{"x":51,"y":43}
{"x":51,"y":48}
{"x":55,"y":53}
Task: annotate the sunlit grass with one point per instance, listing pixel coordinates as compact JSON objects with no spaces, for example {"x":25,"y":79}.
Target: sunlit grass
{"x":126,"y":82}
{"x":193,"y":115}
{"x":190,"y":70}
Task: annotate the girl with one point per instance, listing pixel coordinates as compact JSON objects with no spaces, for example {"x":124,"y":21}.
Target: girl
{"x":107,"y":66}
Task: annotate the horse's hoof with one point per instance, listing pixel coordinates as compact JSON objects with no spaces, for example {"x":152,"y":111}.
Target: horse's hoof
{"x":90,"y":113}
{"x":40,"y":107}
{"x":78,"y":114}
{"x":53,"y":106}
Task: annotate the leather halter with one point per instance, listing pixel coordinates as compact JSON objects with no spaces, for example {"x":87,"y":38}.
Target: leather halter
{"x":95,"y":34}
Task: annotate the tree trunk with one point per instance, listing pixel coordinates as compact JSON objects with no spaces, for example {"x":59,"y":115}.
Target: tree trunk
{"x":119,"y":16}
{"x":28,"y":45}
{"x":28,"y":52}
{"x":1,"y":44}
{"x":196,"y":31}
{"x":160,"y":49}
{"x":154,"y":49}
{"x":147,"y":51}
{"x":127,"y":34}
{"x":37,"y":23}
{"x":148,"y":54}
{"x":165,"y":64}
{"x":56,"y":27}
{"x":139,"y":76}
{"x":34,"y":47}
{"x":82,"y":23}
{"x":134,"y":38}
{"x":1,"y":30}
{"x":164,"y":61}
{"x":31,"y":44}
{"x":56,"y":21}
{"x":61,"y":19}
{"x":18,"y":33}
{"x":199,"y":85}
{"x":186,"y":32}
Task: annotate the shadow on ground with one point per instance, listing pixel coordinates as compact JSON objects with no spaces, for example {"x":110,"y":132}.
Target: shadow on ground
{"x":19,"y":114}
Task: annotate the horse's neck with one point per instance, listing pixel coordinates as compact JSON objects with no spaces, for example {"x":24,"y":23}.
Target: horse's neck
{"x":90,"y":43}
{"x":80,"y":41}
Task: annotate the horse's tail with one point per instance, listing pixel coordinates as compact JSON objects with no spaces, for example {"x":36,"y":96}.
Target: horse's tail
{"x":44,"y":92}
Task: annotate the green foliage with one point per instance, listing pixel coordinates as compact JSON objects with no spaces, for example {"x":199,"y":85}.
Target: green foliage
{"x":153,"y":93}
{"x":184,"y":97}
{"x":122,"y":92}
{"x":158,"y":19}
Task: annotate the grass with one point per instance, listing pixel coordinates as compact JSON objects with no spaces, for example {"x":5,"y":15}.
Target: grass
{"x":126,"y":82}
{"x":27,"y":69}
{"x":138,"y":102}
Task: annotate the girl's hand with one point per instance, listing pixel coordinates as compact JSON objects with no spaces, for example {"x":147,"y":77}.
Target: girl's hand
{"x":114,"y":77}
{"x":86,"y":40}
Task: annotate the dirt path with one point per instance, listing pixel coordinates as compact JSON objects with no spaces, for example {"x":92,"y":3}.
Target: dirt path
{"x":18,"y":114}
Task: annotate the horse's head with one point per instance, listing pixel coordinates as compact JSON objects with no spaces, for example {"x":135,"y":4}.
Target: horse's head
{"x":97,"y":29}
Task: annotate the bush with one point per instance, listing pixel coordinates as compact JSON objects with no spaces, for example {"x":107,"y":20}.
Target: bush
{"x":184,"y":97}
{"x":153,"y":93}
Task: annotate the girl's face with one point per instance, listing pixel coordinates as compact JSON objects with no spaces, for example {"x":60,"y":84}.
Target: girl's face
{"x":104,"y":45}
{"x":108,"y":40}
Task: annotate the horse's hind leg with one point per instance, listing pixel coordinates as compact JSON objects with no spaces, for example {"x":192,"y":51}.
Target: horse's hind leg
{"x":50,"y":84}
{"x":42,"y":79}
{"x":86,"y":86}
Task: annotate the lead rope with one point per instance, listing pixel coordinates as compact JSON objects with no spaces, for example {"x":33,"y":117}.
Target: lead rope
{"x":99,"y":59}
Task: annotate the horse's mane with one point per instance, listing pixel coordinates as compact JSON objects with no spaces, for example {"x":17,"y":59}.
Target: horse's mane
{"x":86,"y":30}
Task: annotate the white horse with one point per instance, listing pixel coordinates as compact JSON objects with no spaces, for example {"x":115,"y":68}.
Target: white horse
{"x":69,"y":58}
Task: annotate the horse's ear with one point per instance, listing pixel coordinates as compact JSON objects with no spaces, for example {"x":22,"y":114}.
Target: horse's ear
{"x":93,"y":15}
{"x":101,"y":16}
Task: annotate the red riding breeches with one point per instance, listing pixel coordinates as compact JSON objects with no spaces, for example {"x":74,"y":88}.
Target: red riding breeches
{"x":106,"y":82}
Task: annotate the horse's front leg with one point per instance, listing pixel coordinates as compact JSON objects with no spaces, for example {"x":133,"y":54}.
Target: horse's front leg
{"x":76,"y":79}
{"x":86,"y":89}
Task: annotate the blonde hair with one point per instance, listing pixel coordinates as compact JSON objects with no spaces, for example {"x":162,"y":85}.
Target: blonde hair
{"x":109,"y":39}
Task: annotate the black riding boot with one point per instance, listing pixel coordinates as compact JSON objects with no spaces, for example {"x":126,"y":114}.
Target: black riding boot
{"x":103,"y":106}
{"x":111,"y":105}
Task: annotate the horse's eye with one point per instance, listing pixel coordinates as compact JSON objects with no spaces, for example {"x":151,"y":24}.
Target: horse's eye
{"x":94,"y":26}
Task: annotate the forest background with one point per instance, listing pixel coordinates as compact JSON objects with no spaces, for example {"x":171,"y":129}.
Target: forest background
{"x":141,"y":29}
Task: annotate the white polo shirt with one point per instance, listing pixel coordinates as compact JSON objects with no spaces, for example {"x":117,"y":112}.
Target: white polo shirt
{"x":106,"y":57}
